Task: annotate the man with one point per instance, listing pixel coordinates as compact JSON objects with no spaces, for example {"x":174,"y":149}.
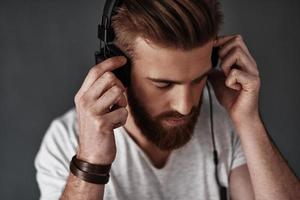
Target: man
{"x":158,"y":136}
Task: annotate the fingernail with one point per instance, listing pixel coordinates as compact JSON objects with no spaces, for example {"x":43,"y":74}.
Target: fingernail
{"x":123,"y":59}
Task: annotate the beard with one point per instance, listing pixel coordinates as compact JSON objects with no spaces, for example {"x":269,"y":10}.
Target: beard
{"x":152,"y":128}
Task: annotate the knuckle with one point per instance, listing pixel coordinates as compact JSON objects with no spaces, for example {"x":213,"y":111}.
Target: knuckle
{"x":237,"y":50}
{"x":227,"y":82}
{"x":234,"y":72}
{"x":257,"y":80}
{"x":116,"y":90}
{"x":254,"y":64}
{"x":82,"y":101}
{"x":238,"y":38}
{"x":257,"y":73}
{"x":76,"y":99}
{"x":95,"y":72}
{"x":256,"y":67}
{"x":109,"y":76}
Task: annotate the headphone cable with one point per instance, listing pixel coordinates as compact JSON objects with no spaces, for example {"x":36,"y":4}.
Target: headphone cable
{"x":222,"y":189}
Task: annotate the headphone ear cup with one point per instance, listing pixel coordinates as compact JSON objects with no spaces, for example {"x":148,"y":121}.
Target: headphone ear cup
{"x":215,"y":57}
{"x":123,"y":72}
{"x":99,"y":57}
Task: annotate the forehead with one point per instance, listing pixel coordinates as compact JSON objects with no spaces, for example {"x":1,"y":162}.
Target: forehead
{"x":153,"y":59}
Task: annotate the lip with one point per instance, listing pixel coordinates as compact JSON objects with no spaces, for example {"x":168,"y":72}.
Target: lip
{"x":175,"y":121}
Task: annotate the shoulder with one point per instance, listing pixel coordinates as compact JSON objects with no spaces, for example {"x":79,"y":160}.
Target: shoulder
{"x":65,"y":125}
{"x":67,"y":121}
{"x":56,"y":150}
{"x":59,"y":142}
{"x":64,"y":128}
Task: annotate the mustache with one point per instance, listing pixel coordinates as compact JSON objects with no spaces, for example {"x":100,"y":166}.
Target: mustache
{"x":176,"y":115}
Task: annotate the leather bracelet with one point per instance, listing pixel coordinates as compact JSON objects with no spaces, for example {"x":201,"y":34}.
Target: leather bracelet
{"x":91,"y":178}
{"x":91,"y":168}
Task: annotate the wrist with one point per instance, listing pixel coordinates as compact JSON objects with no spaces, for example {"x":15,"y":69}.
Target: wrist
{"x":250,"y":126}
{"x":97,"y":174}
{"x":94,"y":159}
{"x":246,"y":120}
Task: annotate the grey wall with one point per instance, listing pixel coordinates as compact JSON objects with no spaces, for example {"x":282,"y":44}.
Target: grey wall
{"x":46,"y":48}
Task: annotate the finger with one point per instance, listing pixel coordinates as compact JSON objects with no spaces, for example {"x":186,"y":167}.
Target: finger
{"x":117,"y":117}
{"x":94,"y":73}
{"x":221,"y":40}
{"x":238,"y":80}
{"x":102,"y":84}
{"x":234,"y":42}
{"x":107,"y":100}
{"x":238,"y":58}
{"x":122,"y":102}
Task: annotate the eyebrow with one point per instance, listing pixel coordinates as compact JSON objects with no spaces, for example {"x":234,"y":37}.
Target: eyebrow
{"x":180,"y":82}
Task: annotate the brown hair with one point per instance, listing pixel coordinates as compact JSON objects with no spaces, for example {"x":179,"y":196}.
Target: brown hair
{"x":183,"y":24}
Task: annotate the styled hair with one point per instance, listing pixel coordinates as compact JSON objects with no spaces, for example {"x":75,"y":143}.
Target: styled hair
{"x":182,"y":24}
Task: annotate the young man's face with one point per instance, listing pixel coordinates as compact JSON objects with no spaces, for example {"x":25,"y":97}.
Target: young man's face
{"x":166,"y":89}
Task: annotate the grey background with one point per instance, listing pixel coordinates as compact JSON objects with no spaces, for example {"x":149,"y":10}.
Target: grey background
{"x":46,"y":48}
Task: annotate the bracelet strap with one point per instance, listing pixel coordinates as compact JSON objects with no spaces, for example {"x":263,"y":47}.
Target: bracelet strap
{"x":87,"y":176}
{"x":91,"y":168}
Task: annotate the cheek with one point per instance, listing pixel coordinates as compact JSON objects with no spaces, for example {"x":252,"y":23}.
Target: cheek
{"x":155,"y":101}
{"x":151,"y":99}
{"x":200,"y":86}
{"x":196,"y":89}
{"x":199,"y":89}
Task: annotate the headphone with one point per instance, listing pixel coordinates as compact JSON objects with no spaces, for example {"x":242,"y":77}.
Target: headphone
{"x":108,"y":49}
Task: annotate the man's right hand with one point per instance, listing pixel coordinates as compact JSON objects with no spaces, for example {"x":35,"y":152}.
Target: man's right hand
{"x":99,"y":92}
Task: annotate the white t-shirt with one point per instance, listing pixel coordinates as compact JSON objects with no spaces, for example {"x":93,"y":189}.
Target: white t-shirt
{"x":188,"y":174}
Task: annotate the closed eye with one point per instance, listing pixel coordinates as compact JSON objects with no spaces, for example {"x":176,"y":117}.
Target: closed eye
{"x":163,"y":85}
{"x":166,"y":85}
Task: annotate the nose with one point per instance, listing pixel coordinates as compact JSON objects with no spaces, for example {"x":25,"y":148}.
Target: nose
{"x":182,"y":101}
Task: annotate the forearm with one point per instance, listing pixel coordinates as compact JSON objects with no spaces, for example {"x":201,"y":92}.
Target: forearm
{"x":78,"y":189}
{"x":270,"y":174}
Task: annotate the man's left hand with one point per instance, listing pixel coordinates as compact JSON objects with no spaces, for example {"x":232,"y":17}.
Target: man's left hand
{"x":237,"y":85}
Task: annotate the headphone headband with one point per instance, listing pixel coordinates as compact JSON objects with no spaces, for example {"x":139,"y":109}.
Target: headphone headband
{"x":105,"y":31}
